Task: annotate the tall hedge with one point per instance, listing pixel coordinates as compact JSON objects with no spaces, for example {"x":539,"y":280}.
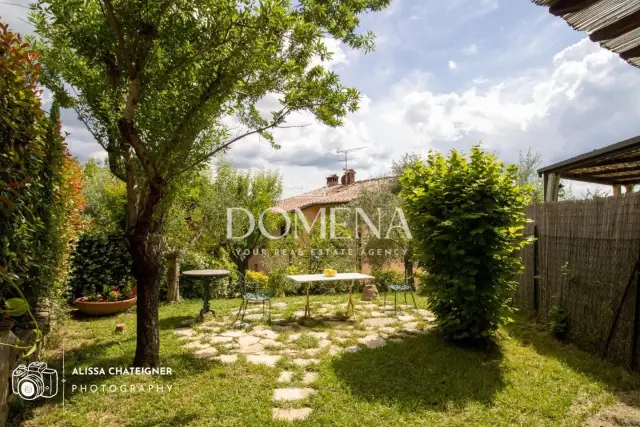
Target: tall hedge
{"x":467,"y":217}
{"x":40,"y":183}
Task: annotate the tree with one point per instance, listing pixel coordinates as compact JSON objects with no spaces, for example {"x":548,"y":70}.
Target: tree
{"x":152,"y":82}
{"x":528,"y":175}
{"x":467,"y":216}
{"x":257,"y":193}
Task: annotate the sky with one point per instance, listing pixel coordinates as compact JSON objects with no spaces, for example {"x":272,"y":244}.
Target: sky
{"x":445,"y":75}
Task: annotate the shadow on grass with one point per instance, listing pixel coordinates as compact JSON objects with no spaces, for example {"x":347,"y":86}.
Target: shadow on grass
{"x":422,"y":372}
{"x":617,"y":379}
{"x":174,"y":322}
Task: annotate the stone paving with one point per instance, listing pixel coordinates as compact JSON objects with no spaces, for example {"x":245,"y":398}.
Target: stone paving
{"x":296,"y":346}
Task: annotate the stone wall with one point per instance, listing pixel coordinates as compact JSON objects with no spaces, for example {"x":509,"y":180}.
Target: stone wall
{"x":11,"y":357}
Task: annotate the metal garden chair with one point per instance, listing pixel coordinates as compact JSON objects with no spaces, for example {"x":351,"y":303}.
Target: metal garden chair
{"x":404,"y":288}
{"x":251,"y":293}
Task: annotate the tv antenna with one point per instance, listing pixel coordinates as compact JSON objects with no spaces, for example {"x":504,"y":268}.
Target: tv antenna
{"x":346,"y":155}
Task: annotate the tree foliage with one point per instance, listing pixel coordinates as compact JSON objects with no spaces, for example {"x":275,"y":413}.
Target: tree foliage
{"x":467,"y":216}
{"x":163,"y":86}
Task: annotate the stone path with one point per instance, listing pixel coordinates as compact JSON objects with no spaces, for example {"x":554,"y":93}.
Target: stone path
{"x":295,"y":349}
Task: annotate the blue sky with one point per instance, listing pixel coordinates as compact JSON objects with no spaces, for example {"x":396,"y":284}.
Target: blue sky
{"x":446,"y":75}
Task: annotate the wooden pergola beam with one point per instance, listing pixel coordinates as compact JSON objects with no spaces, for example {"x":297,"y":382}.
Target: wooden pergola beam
{"x":562,"y":7}
{"x":634,"y":52}
{"x":617,"y":28}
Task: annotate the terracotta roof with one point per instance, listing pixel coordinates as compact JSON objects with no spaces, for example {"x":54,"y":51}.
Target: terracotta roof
{"x":615,"y":24}
{"x":334,"y":195}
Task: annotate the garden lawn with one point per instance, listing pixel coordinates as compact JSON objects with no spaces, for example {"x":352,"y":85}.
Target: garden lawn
{"x":530,"y":379}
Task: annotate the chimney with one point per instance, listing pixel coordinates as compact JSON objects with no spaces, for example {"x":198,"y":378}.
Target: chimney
{"x":332,"y":180}
{"x":349,"y":177}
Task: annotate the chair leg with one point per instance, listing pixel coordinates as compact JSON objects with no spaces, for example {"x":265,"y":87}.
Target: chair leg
{"x":405,"y":299}
{"x":395,"y":302}
{"x":385,"y":298}
{"x":414,"y":300}
{"x":240,"y":309}
{"x":269,"y":311}
{"x":244,"y":311}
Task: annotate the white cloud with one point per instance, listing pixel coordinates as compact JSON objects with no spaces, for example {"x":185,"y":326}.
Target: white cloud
{"x":338,"y":55}
{"x":452,"y":64}
{"x":584,"y":99}
{"x":470,"y":50}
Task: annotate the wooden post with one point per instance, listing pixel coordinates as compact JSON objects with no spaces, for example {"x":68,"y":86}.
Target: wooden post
{"x":617,"y":190}
{"x":536,"y":282}
{"x":553,"y":186}
{"x":628,"y":188}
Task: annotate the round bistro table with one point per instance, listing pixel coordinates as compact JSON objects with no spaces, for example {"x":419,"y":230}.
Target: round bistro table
{"x":209,"y":276}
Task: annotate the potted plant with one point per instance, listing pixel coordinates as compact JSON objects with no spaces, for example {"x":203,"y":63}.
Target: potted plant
{"x":110,"y":301}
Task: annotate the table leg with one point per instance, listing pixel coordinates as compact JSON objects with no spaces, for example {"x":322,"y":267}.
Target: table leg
{"x":350,"y":304}
{"x":205,"y":306}
{"x":307,"y":308}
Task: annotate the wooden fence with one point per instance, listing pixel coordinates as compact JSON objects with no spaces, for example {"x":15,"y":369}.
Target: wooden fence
{"x":585,"y":259}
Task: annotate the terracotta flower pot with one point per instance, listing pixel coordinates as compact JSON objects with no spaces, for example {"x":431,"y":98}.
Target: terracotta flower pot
{"x":107,"y":307}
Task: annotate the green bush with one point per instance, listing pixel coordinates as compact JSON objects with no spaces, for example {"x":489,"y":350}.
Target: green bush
{"x":40,"y":185}
{"x":467,"y":217}
{"x":387,"y":276}
{"x":101,"y":260}
{"x":558,"y":320}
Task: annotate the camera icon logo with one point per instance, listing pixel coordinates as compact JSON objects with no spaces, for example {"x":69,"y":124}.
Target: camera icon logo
{"x":35,"y":380}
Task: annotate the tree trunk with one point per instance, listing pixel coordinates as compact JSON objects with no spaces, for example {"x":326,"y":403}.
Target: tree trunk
{"x":145,"y":255}
{"x":173,"y":277}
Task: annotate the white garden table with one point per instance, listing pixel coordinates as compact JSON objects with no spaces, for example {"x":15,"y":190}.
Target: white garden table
{"x":309,"y":278}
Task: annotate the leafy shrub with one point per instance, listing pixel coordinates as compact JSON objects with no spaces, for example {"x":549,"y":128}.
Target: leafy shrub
{"x":40,"y":184}
{"x":467,"y":218}
{"x":558,"y":320}
{"x":387,"y":276}
{"x":101,"y":261}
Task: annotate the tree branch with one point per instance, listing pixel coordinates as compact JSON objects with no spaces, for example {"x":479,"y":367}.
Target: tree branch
{"x":232,"y":140}
{"x":113,"y":23}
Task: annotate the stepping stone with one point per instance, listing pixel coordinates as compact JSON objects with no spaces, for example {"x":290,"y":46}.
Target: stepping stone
{"x":206,"y":352}
{"x":328,"y":306}
{"x":282,"y":328}
{"x":263,"y":359}
{"x":247,"y":340}
{"x":234,"y":334}
{"x":342,"y":333}
{"x":227,"y":358}
{"x":411,"y":325}
{"x":382,"y":321}
{"x":406,"y":318}
{"x":254,"y":316}
{"x":298,"y":313}
{"x":251,"y":349}
{"x":289,"y":394}
{"x":353,"y":348}
{"x":285,"y":377}
{"x":219,"y":339}
{"x":429,"y":319}
{"x":271,"y":343}
{"x":290,"y":414}
{"x":196,"y":345}
{"x":372,"y":341}
{"x":320,"y":335}
{"x":309,"y":377}
{"x":371,"y":306}
{"x":267,"y":333}
{"x":279,"y":305}
{"x":333,"y":350}
{"x":293,"y":337}
{"x":388,"y":330}
{"x":185,"y":332}
{"x":305,"y":362}
{"x":376,"y":314}
{"x":334,"y":323}
{"x":311,"y":351}
{"x":423,"y":312}
{"x":324,"y":343}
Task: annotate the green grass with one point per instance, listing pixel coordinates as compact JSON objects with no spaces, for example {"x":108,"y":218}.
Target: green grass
{"x":530,"y":379}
